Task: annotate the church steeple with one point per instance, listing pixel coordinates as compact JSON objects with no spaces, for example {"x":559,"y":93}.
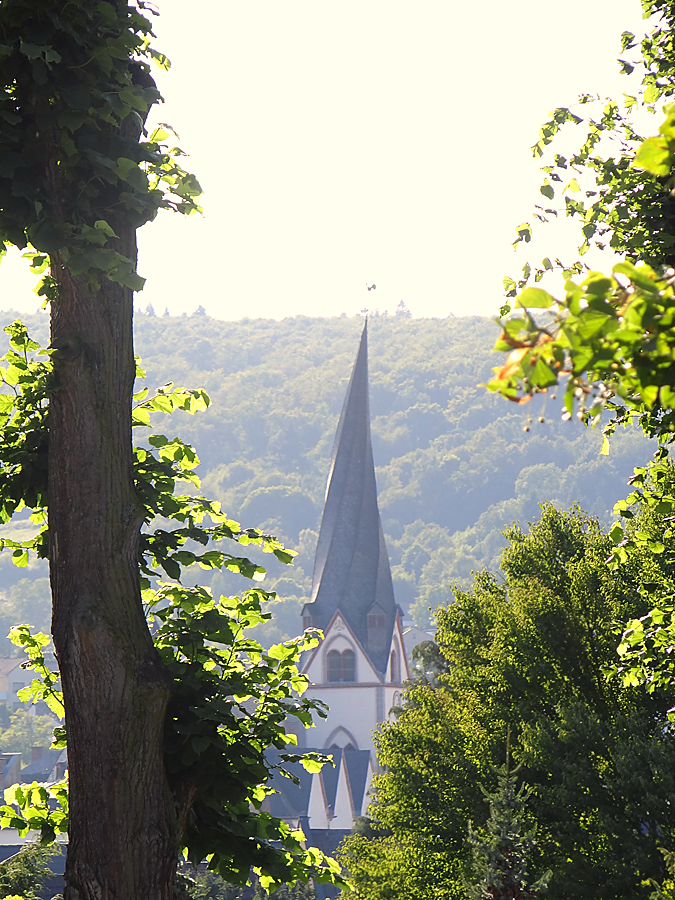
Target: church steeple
{"x":351,"y":570}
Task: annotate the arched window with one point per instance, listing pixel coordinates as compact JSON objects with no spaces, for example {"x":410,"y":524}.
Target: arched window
{"x":348,"y":666}
{"x":340,"y":666}
{"x":394,"y":668}
{"x":334,"y":661}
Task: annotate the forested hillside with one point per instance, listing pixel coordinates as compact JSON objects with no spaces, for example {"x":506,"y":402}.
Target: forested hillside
{"x":455,"y":464}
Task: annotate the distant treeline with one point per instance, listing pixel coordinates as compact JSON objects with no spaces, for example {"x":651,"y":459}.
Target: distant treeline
{"x":455,"y":464}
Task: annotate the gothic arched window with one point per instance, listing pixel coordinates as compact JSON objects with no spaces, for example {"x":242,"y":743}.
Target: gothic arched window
{"x":334,"y":662}
{"x":348,"y":666}
{"x":340,"y":666}
{"x":394,"y":668}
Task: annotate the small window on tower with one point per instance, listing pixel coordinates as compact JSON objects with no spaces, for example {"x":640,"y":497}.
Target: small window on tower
{"x":376,"y":619}
{"x":306,"y":622}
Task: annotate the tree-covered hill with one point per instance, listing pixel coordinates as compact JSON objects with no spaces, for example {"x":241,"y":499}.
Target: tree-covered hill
{"x":455,"y":464}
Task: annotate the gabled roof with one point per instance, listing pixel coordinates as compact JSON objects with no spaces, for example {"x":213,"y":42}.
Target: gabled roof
{"x":334,"y":625}
{"x":291,"y":800}
{"x":42,"y":768}
{"x":351,"y":569}
{"x":7,"y":760}
{"x":8,"y":665}
{"x":357,"y":764}
{"x":329,"y":776}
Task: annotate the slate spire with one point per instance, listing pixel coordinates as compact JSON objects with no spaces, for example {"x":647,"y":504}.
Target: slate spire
{"x":351,"y":569}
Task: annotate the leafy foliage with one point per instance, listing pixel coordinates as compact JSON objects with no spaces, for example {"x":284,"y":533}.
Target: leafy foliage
{"x":36,"y":808}
{"x":610,"y":331}
{"x":666,"y":889}
{"x":66,"y":74}
{"x":230,"y":703}
{"x":208,"y":886}
{"x":610,"y":339}
{"x":620,"y":206}
{"x":526,"y":653}
{"x":23,"y":419}
{"x":414,"y":844}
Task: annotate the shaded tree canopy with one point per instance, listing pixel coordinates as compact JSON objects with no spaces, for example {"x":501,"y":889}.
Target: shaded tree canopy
{"x":527,"y":653}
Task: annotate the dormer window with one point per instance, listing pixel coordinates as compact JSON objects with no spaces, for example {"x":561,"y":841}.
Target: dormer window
{"x":340,"y":667}
{"x":376,"y":618}
{"x":376,"y":638}
{"x":306,"y":622}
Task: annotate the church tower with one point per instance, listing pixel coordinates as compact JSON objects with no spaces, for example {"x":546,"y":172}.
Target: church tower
{"x":359,"y":667}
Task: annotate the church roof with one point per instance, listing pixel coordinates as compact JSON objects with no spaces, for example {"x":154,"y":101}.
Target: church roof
{"x":351,"y":569}
{"x":357,"y":763}
{"x":291,"y":800}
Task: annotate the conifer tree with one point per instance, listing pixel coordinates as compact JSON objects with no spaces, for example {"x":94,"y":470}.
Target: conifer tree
{"x":501,"y":850}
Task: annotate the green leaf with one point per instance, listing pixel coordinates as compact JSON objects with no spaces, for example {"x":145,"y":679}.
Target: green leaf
{"x":655,"y":156}
{"x":542,"y":375}
{"x":524,"y":232}
{"x":129,"y":171}
{"x":616,"y":532}
{"x":160,"y":60}
{"x":20,"y":558}
{"x":535,"y":298}
{"x":102,"y":225}
{"x":140,"y":416}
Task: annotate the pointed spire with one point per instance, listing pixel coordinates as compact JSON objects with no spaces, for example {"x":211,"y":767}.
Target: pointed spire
{"x":351,"y":569}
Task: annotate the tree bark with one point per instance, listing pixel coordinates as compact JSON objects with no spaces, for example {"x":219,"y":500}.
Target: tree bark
{"x":123,"y":843}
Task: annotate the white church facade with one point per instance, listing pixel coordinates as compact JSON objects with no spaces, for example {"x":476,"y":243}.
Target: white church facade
{"x":359,"y":697}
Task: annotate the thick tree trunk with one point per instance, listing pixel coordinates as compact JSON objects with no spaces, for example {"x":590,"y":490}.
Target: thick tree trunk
{"x":122,"y":817}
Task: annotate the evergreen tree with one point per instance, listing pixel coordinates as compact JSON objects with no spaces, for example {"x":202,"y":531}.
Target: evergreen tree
{"x":25,"y":874}
{"x":501,"y":850}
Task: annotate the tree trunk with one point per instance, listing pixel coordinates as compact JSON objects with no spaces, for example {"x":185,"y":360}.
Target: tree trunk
{"x":123,"y":843}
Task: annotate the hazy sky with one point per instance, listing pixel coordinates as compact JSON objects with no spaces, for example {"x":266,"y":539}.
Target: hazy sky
{"x":378,"y":141}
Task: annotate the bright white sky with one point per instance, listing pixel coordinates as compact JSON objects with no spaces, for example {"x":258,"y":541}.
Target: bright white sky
{"x":378,"y":141}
